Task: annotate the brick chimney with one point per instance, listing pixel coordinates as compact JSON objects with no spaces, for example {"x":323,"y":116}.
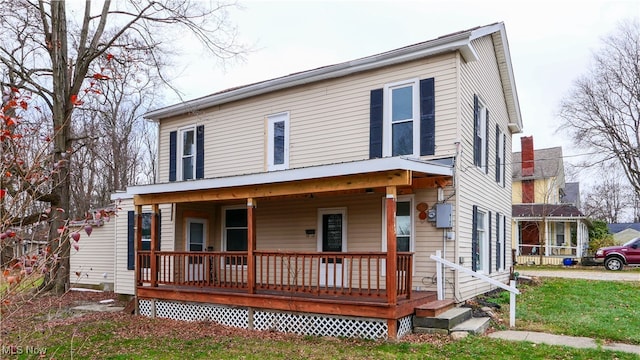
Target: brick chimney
{"x":526,"y":144}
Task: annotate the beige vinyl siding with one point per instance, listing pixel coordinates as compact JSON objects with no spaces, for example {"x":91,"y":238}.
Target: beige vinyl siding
{"x":474,"y":187}
{"x":329,"y":120}
{"x":124,"y":279}
{"x":93,"y":263}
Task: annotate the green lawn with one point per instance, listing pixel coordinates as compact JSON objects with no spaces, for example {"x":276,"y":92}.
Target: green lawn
{"x":604,"y":310}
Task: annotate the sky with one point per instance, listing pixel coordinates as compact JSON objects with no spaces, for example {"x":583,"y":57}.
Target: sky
{"x":551,"y":44}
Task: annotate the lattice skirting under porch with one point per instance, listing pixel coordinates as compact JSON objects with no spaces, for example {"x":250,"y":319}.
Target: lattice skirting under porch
{"x":289,"y":322}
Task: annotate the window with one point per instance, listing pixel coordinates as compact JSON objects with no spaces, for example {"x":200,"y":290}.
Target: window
{"x":500,"y":154}
{"x":402,"y":119}
{"x":481,"y":134}
{"x":480,"y":241}
{"x":404,"y":224}
{"x":559,"y":233}
{"x":146,"y":232}
{"x":146,"y":237}
{"x":278,"y":141}
{"x":402,"y":125}
{"x":235,"y":231}
{"x":186,"y":153}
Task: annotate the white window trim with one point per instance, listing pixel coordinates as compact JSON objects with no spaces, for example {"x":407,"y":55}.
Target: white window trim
{"x":483,"y":243}
{"x":180,"y":150}
{"x":387,"y":139}
{"x":412,"y":240}
{"x":271,"y":120}
{"x":187,"y":235}
{"x":339,"y":210}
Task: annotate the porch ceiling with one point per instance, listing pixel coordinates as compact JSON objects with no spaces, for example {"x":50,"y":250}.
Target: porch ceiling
{"x":343,"y":177}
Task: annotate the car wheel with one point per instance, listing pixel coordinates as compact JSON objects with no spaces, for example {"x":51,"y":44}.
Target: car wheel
{"x":613,"y":263}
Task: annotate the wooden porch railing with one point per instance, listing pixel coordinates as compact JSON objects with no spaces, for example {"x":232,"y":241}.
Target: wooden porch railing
{"x":354,"y":274}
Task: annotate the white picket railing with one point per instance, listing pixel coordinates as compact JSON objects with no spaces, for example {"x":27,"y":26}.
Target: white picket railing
{"x":511,"y":288}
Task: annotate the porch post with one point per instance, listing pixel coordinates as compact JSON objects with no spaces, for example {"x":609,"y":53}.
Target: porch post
{"x":392,"y":246}
{"x":154,"y":244}
{"x":137,"y":243}
{"x":251,"y":245}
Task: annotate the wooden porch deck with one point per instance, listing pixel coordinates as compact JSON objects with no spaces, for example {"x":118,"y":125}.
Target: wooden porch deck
{"x":337,"y":304}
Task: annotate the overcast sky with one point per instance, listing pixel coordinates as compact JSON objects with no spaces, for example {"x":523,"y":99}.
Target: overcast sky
{"x":551,"y":43}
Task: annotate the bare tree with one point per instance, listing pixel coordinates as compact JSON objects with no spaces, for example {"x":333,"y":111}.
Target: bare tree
{"x":56,"y":59}
{"x":602,"y":113}
{"x":610,"y":198}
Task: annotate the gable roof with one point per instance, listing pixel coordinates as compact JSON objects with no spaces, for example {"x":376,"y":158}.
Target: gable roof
{"x":545,"y":210}
{"x":547,"y":163}
{"x":616,"y":228}
{"x":458,"y":41}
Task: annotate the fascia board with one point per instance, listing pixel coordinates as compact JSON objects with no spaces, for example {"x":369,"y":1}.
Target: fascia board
{"x":350,"y":168}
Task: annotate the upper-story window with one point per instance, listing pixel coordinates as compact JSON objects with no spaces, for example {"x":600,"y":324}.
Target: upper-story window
{"x":186,"y":153}
{"x":402,"y":119}
{"x":481,"y":134}
{"x":278,"y":141}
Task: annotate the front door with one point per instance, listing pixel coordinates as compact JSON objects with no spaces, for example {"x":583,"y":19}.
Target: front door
{"x":332,"y":238}
{"x":195,"y":240}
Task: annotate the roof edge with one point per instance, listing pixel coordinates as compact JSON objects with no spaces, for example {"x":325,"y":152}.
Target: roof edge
{"x":455,"y":42}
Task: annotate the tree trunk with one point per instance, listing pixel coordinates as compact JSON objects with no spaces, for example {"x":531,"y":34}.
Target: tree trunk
{"x":62,"y":109}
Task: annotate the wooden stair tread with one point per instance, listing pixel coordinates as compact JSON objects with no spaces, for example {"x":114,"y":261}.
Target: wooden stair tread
{"x":434,"y":308}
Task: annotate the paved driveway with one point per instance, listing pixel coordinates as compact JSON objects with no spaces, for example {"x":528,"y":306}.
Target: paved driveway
{"x":594,"y":274}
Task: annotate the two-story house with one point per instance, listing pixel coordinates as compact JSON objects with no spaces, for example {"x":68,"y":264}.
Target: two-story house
{"x":311,"y":203}
{"x":547,"y":226}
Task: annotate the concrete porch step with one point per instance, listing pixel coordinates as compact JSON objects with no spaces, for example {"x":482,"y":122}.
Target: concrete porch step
{"x":434,"y":308}
{"x":447,"y":320}
{"x":474,"y":325}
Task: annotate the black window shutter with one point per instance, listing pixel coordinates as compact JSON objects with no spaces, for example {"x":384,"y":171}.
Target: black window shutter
{"x":131,"y":236}
{"x":474,"y":240}
{"x":173,"y":153}
{"x":499,"y":240}
{"x":504,"y":233}
{"x":375,"y":123}
{"x":486,"y":140}
{"x":200,"y":152}
{"x":498,"y":165}
{"x":504,"y":160}
{"x":489,"y":248}
{"x":427,"y":117}
{"x":476,"y":126}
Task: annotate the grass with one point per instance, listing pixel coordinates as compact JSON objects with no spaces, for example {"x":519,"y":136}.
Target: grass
{"x":106,"y":346}
{"x":606,"y":310}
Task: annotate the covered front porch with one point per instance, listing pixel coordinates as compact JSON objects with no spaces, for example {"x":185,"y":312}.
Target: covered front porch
{"x":336,"y":283}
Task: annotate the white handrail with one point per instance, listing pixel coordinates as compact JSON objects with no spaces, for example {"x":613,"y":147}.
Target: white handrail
{"x":511,"y":288}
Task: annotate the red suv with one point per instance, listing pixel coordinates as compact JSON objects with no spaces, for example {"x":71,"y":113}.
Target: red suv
{"x":615,"y":257}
